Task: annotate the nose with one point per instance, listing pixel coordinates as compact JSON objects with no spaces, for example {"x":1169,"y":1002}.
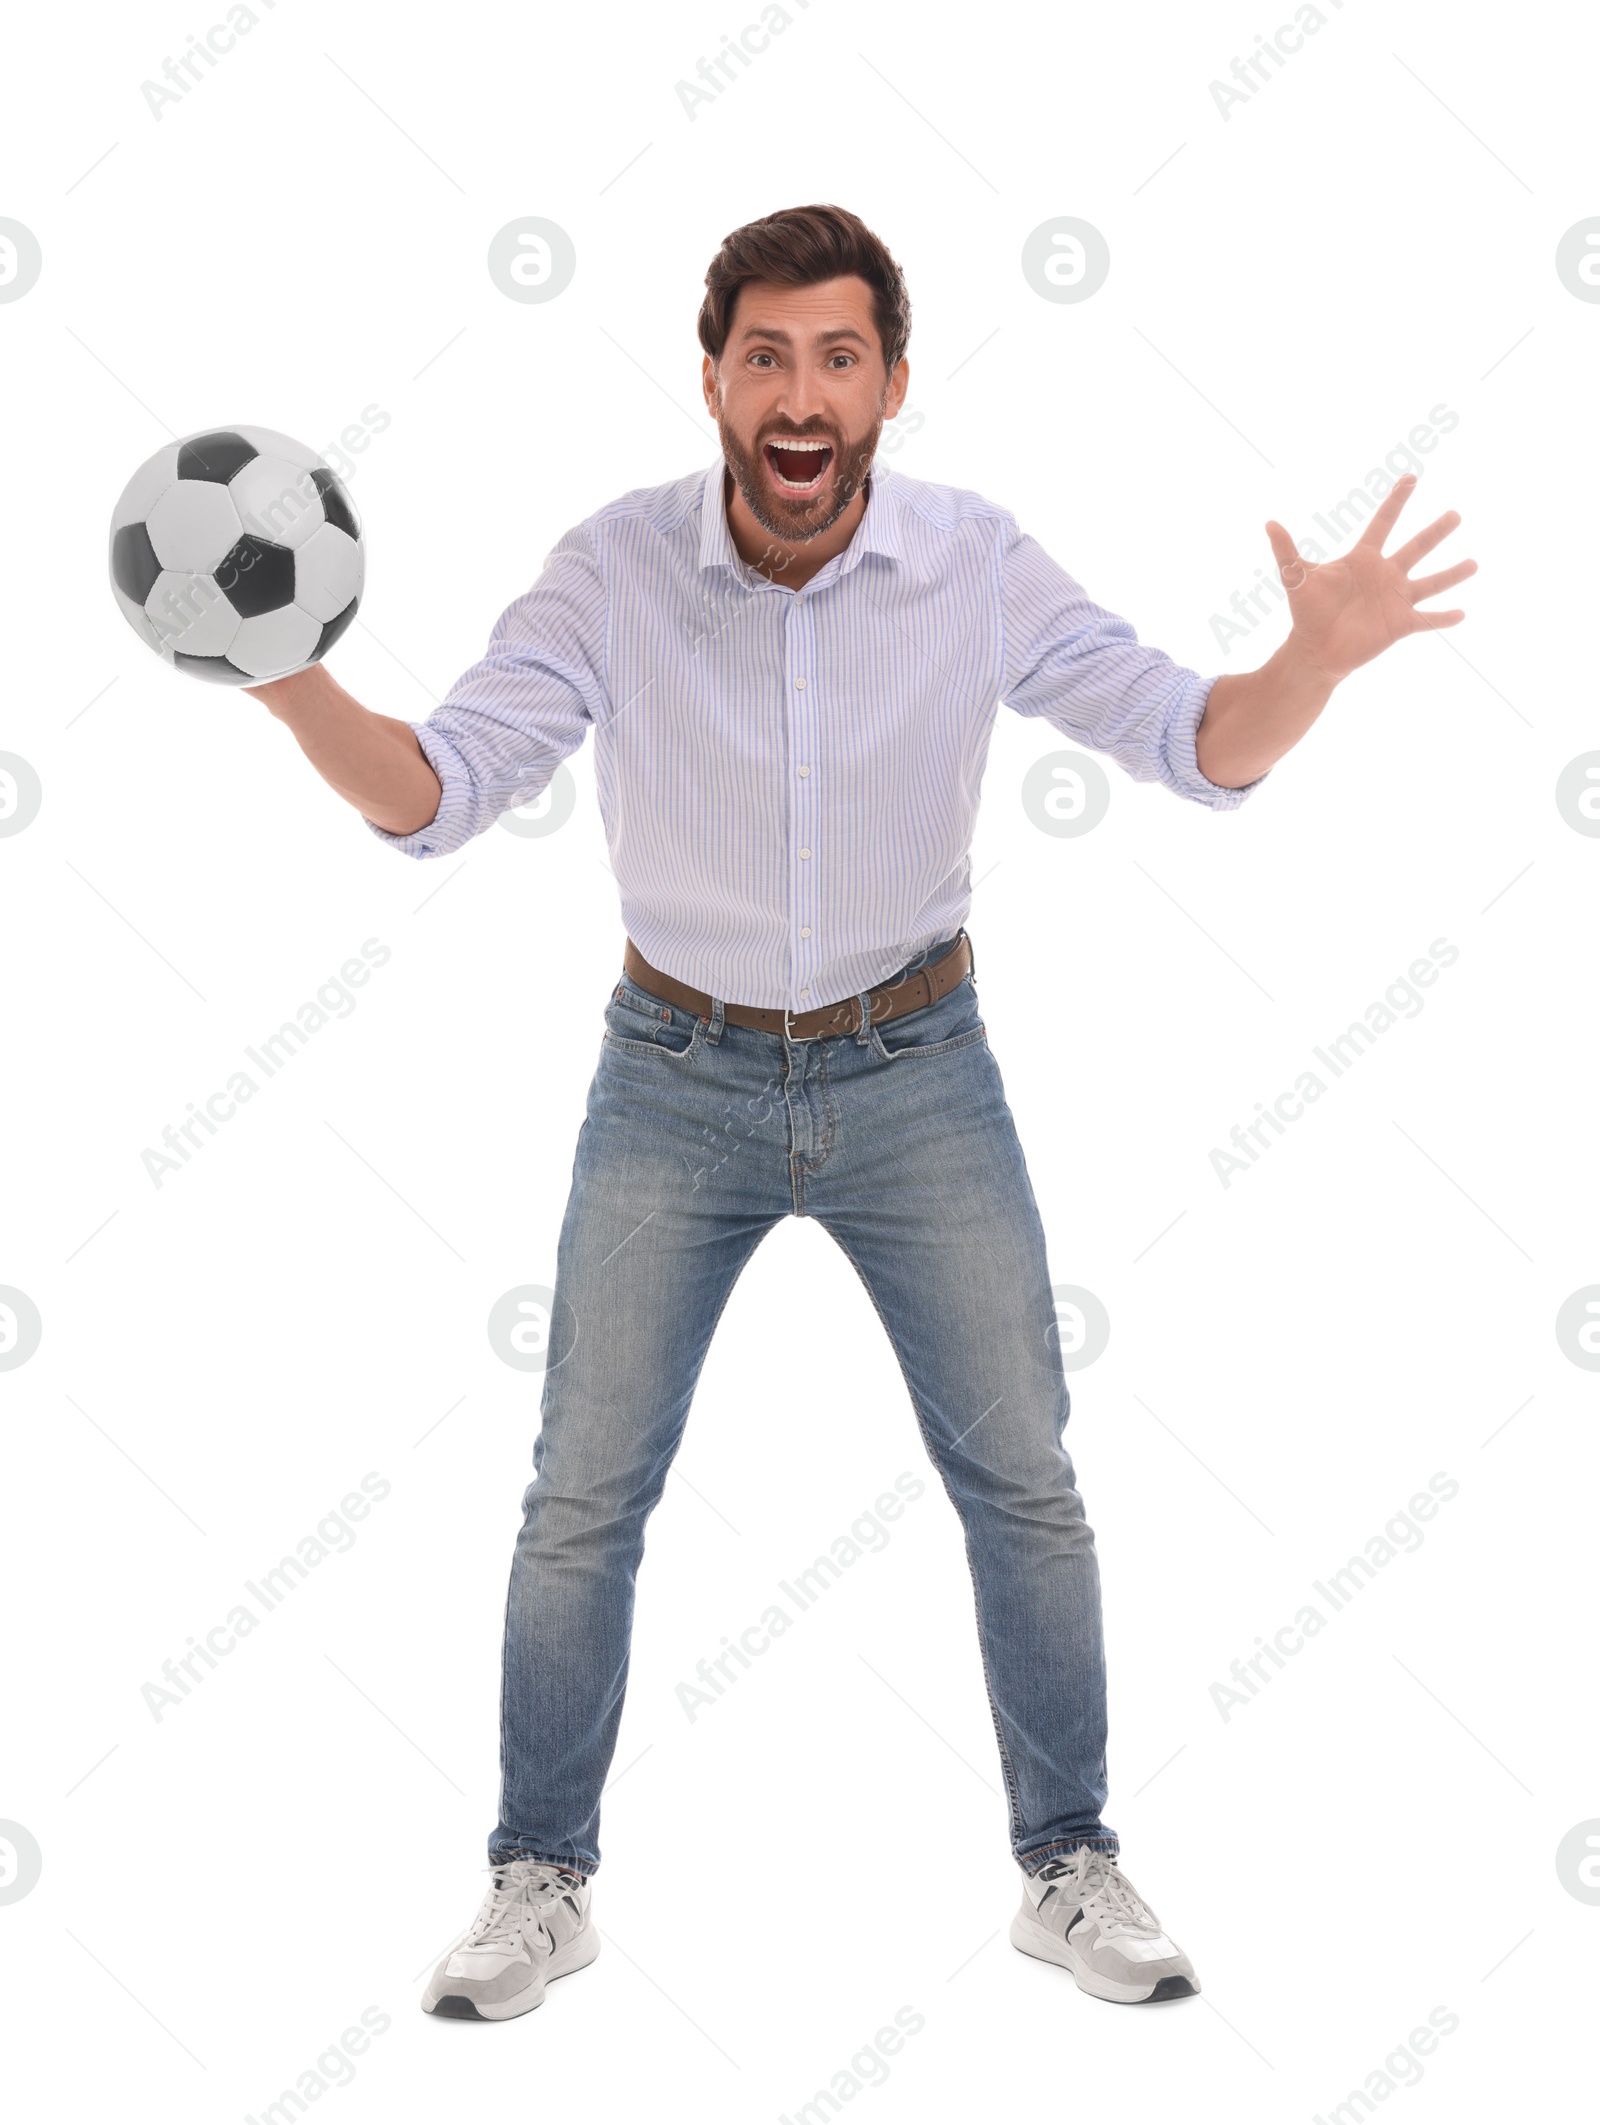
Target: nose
{"x":801,"y":399}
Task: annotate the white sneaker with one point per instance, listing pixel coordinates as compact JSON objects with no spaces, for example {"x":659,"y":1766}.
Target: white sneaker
{"x":1083,"y":1912}
{"x":534,"y":1925}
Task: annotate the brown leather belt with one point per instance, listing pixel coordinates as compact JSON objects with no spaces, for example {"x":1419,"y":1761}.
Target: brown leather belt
{"x":893,"y":1000}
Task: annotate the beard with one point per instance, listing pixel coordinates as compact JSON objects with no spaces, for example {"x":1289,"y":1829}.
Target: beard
{"x":792,"y":518}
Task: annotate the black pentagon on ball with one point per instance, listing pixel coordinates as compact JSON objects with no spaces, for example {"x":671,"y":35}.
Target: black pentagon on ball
{"x":333,"y":630}
{"x":217,"y":456}
{"x":337,"y":506}
{"x":134,"y":566}
{"x":256,"y":576}
{"x":217,"y":669}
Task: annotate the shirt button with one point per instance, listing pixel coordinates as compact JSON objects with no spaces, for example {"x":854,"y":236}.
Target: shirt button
{"x":805,"y":855}
{"x":806,"y":932}
{"x":800,"y":685}
{"x":805,"y":771}
{"x":805,"y":992}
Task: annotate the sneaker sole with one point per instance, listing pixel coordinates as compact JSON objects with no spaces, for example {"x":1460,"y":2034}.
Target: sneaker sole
{"x":578,"y":1953}
{"x":1036,"y":1940}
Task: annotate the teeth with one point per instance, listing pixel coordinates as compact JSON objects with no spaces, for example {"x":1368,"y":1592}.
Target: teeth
{"x":784,"y":443}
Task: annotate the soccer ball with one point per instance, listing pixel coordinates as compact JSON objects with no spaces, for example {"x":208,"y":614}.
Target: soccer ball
{"x":236,"y":555}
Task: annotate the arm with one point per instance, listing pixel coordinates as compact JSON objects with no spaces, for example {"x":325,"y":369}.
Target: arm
{"x":1085,"y":672}
{"x":1343,"y":613}
{"x":494,"y":741}
{"x":374,"y":762}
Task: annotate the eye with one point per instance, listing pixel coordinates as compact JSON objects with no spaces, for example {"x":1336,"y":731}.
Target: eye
{"x":849,"y":358}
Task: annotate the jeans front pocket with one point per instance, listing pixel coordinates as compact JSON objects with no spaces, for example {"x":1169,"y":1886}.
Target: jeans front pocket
{"x":637,"y":1023}
{"x":941,"y":1029}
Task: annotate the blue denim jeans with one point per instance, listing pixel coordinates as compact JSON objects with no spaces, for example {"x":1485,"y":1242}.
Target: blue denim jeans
{"x":699,"y":1137}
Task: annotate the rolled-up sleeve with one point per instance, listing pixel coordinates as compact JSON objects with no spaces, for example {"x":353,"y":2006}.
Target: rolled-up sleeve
{"x":507,"y":724}
{"x":1087,"y":674}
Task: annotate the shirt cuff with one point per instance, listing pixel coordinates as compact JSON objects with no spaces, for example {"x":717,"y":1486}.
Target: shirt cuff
{"x":1186,"y":777}
{"x":449,"y":827}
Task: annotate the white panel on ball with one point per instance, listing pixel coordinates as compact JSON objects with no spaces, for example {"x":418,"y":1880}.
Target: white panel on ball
{"x":191,"y":615}
{"x":277,"y":500}
{"x":193,"y":526}
{"x":327,"y":572}
{"x":272,"y":643}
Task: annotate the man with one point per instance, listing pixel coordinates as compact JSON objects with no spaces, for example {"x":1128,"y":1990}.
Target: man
{"x":791,"y":664}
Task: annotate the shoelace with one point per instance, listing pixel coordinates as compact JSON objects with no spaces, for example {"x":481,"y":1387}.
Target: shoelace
{"x":1110,"y":1897}
{"x":510,"y":1911}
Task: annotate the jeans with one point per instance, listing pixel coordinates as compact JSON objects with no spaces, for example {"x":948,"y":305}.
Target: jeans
{"x":699,"y":1137}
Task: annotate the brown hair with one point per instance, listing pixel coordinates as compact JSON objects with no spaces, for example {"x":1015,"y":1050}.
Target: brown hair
{"x":797,"y":248}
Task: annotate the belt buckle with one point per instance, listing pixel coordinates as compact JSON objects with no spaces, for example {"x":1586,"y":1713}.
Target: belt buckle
{"x":787,"y":1015}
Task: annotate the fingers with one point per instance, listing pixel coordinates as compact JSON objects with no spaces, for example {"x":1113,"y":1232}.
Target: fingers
{"x":1407,"y":556}
{"x":1421,"y":620}
{"x":1446,"y":579}
{"x":1292,"y":566}
{"x":1381,"y":522}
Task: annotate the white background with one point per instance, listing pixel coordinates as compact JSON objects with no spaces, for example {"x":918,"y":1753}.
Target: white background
{"x":1292,"y":1357}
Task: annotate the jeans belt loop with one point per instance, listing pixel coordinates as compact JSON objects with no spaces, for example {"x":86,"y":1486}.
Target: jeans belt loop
{"x":714,"y":1033}
{"x":864,"y":1013}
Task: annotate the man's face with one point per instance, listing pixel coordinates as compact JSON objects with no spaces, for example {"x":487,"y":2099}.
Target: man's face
{"x":799,"y":398}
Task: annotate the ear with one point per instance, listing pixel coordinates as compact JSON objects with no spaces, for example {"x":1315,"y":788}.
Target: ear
{"x":708,"y":383}
{"x":895,"y":395}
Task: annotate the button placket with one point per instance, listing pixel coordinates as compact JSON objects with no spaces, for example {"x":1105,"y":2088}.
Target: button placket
{"x":802,"y":802}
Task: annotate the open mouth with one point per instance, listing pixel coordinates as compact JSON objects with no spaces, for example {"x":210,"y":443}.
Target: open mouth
{"x":798,"y":468}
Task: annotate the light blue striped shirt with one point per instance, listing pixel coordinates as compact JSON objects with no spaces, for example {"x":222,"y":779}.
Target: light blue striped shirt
{"x":788,"y":779}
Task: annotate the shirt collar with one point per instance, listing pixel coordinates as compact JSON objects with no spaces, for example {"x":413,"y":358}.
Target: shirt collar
{"x":878,"y":531}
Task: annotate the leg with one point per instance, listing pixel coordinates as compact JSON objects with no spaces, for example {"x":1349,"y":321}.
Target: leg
{"x":927,"y":1192}
{"x":654,"y":1237}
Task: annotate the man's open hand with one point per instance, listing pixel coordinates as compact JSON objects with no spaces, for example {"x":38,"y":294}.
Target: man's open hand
{"x":1348,"y":611}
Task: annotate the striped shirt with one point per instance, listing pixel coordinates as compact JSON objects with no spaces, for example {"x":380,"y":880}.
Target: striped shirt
{"x":788,"y":779}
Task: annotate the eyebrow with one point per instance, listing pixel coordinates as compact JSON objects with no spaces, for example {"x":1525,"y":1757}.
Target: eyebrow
{"x":824,"y":339}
